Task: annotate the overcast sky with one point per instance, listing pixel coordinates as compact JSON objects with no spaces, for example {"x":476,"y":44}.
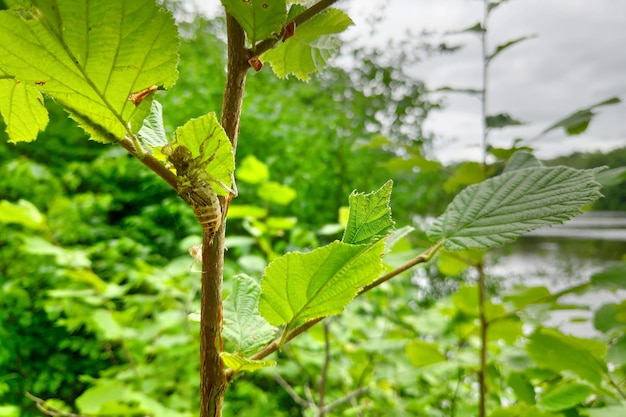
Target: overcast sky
{"x":577,"y":59}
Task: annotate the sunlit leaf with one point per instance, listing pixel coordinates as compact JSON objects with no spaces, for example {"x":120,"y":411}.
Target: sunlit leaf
{"x":208,"y":142}
{"x":24,"y":213}
{"x":522,"y":387}
{"x":101,"y":61}
{"x":304,"y":286}
{"x":252,"y":171}
{"x":243,"y":326}
{"x":370,"y":216}
{"x":608,"y":411}
{"x":259,"y":18}
{"x":25,"y":125}
{"x":565,"y":396}
{"x":500,"y":209}
{"x":277,"y":193}
{"x":313,"y":43}
{"x":152,"y":132}
{"x":423,"y":353}
{"x":240,"y":364}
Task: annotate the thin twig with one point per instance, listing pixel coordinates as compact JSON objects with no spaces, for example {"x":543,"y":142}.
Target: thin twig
{"x":292,"y":393}
{"x":348,"y":397}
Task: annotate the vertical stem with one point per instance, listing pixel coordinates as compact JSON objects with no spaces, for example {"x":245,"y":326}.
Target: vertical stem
{"x":213,"y":380}
{"x":482,"y":372}
{"x":485,"y":56}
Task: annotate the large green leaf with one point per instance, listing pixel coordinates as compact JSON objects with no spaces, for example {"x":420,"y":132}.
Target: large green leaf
{"x":210,"y":148}
{"x":501,"y":209}
{"x":305,"y":286}
{"x":243,"y":326}
{"x":369,"y":218}
{"x":313,"y":43}
{"x":608,"y":411}
{"x":259,"y":18}
{"x":100,"y":60}
{"x":553,"y":350}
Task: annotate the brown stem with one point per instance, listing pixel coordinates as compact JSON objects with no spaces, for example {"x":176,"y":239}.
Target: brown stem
{"x":151,"y":162}
{"x":213,"y":382}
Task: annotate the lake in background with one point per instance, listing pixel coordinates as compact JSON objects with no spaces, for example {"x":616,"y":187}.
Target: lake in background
{"x":565,"y":255}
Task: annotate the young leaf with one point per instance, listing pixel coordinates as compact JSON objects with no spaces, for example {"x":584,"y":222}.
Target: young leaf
{"x":22,"y":126}
{"x":553,"y":350}
{"x":577,"y":122}
{"x":152,"y":132}
{"x":502,"y":208}
{"x":240,"y":364}
{"x":370,"y":216}
{"x":423,"y":353}
{"x":243,"y":326}
{"x":206,"y":140}
{"x":313,"y":43}
{"x":305,"y":286}
{"x":258,"y":18}
{"x":99,"y":68}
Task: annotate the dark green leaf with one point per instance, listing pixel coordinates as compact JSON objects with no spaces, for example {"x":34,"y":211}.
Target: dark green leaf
{"x":567,"y":395}
{"x":578,"y":121}
{"x":507,"y":45}
{"x":520,"y":160}
{"x":498,"y":121}
{"x":260,"y":19}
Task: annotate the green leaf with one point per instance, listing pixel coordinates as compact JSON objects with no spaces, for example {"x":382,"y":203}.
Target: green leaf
{"x":498,"y":121}
{"x":522,"y":388}
{"x":252,"y":171}
{"x":610,"y":316}
{"x":506,"y":153}
{"x":274,"y":192}
{"x":577,"y":122}
{"x":477,"y":28}
{"x":24,"y":213}
{"x":241,"y":211}
{"x":24,"y":125}
{"x":313,"y":43}
{"x":96,"y":59}
{"x":207,"y":141}
{"x":240,"y":364}
{"x":243,"y":326}
{"x":422,"y":353}
{"x":369,"y":218}
{"x":74,"y":258}
{"x":609,"y":411}
{"x":612,"y":278}
{"x":502,"y":47}
{"x":260,"y":19}
{"x":500,"y":209}
{"x":520,"y":160}
{"x":553,"y":350}
{"x":494,"y":4}
{"x":521,"y":297}
{"x":152,"y":132}
{"x":305,"y":286}
{"x":467,"y":173}
{"x":565,"y":396}
{"x":104,"y":321}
